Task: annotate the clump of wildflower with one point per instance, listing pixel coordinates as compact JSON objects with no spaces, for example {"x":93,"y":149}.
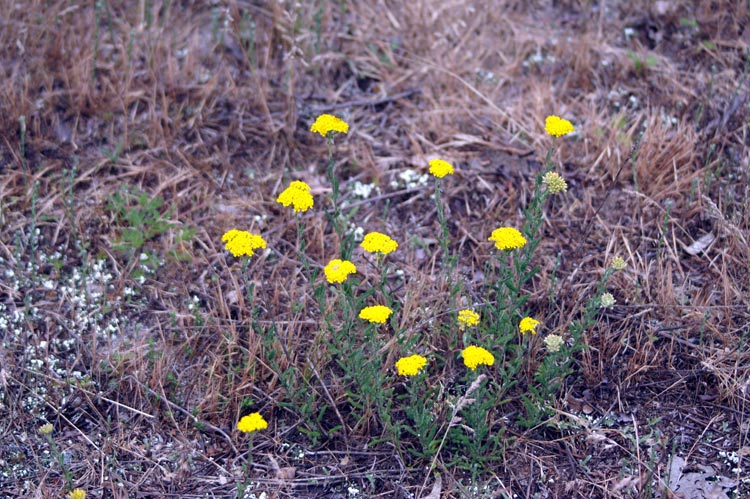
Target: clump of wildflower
{"x":554,"y":182}
{"x":297,"y":195}
{"x":557,"y":127}
{"x":77,"y":494}
{"x":607,"y":300}
{"x":475,"y":356}
{"x":46,"y":429}
{"x":507,"y":238}
{"x":528,"y":325}
{"x":326,"y":123}
{"x":467,"y":318}
{"x":376,"y":313}
{"x":618,"y":263}
{"x":410,"y":366}
{"x":338,"y":270}
{"x":553,"y":342}
{"x":440,"y":168}
{"x":252,"y":422}
{"x":241,"y":242}
{"x":375,"y":242}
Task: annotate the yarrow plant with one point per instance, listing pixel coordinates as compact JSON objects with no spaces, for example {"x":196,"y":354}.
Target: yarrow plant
{"x":553,"y":342}
{"x":467,"y":318}
{"x":297,"y":195}
{"x":475,"y":356}
{"x":557,"y":127}
{"x":607,"y":300}
{"x":410,"y":366}
{"x":376,"y":313}
{"x":376,"y":242}
{"x":507,"y":238}
{"x":252,"y":422}
{"x":338,"y":270}
{"x":554,"y":182}
{"x":528,"y":325}
{"x":77,"y":494}
{"x":618,"y":263}
{"x":327,"y":123}
{"x":440,"y":168}
{"x":241,"y":243}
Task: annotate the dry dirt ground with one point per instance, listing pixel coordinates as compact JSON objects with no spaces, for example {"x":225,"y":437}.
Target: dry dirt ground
{"x":134,"y":134}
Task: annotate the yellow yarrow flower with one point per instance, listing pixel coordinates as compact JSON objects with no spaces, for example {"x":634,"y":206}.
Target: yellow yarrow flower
{"x":440,"y":168}
{"x":77,"y":494}
{"x":410,"y":366}
{"x":338,"y":270}
{"x":241,"y":242}
{"x":375,"y":242}
{"x":376,"y":313}
{"x":467,"y":318}
{"x":554,"y":182}
{"x":326,"y":123}
{"x":557,"y":127}
{"x":475,"y":356}
{"x":618,"y":263}
{"x":297,"y":195}
{"x":252,"y":422}
{"x":507,"y":238}
{"x":46,"y":429}
{"x":553,"y":342}
{"x":528,"y":325}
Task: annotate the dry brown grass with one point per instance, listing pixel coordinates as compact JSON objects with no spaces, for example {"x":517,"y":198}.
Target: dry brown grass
{"x":184,"y":101}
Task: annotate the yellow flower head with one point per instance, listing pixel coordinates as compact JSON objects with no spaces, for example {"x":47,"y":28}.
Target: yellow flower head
{"x":440,"y":168}
{"x":618,"y":263}
{"x":252,"y":422}
{"x":507,"y":238}
{"x":554,"y":182}
{"x":553,"y":342}
{"x":557,"y":127}
{"x":410,"y":366}
{"x":528,"y":325}
{"x":77,"y":494}
{"x":467,"y":318}
{"x":338,"y":270}
{"x":46,"y":429}
{"x":241,"y":242}
{"x":376,"y":313}
{"x":375,"y":242}
{"x":326,"y":123}
{"x":297,"y":195}
{"x":475,"y":356}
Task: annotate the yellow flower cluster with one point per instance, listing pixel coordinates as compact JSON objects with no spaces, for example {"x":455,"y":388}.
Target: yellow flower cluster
{"x":554,"y":182}
{"x":326,"y":123}
{"x":252,"y":422}
{"x":528,"y":325}
{"x":77,"y":494}
{"x":557,"y":127}
{"x":410,"y":366}
{"x":467,"y":318}
{"x":338,"y":270}
{"x":607,"y":300}
{"x":553,"y":342}
{"x":375,"y":242}
{"x":507,"y":238}
{"x":440,"y":168}
{"x":241,"y":242}
{"x":475,"y":356}
{"x":618,"y":263}
{"x":46,"y":429}
{"x":376,"y":313}
{"x":297,"y":195}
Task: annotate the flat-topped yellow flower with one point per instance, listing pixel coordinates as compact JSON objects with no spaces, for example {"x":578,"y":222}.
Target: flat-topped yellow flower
{"x":77,"y":494}
{"x":338,"y":270}
{"x":376,"y":313}
{"x":410,"y":366}
{"x":326,"y":123}
{"x":557,"y":127}
{"x":440,"y":168}
{"x":467,"y":318}
{"x":528,"y":325}
{"x":507,"y":238}
{"x":241,"y":242}
{"x":618,"y":263}
{"x":475,"y":356}
{"x":554,"y":182}
{"x":297,"y":195}
{"x":375,"y":242}
{"x":252,"y":422}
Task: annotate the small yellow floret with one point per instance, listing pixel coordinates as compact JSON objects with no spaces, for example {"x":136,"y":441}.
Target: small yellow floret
{"x":338,"y":270}
{"x":252,"y":422}
{"x":326,"y":123}
{"x":554,"y":182}
{"x":557,"y":127}
{"x":618,"y":263}
{"x":297,"y":195}
{"x":528,"y":325}
{"x":77,"y":494}
{"x":507,"y":238}
{"x":475,"y":356}
{"x":467,"y":318}
{"x":410,"y":366}
{"x":375,"y":242}
{"x":440,"y":168}
{"x":240,"y":242}
{"x":376,"y":313}
{"x":46,"y":429}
